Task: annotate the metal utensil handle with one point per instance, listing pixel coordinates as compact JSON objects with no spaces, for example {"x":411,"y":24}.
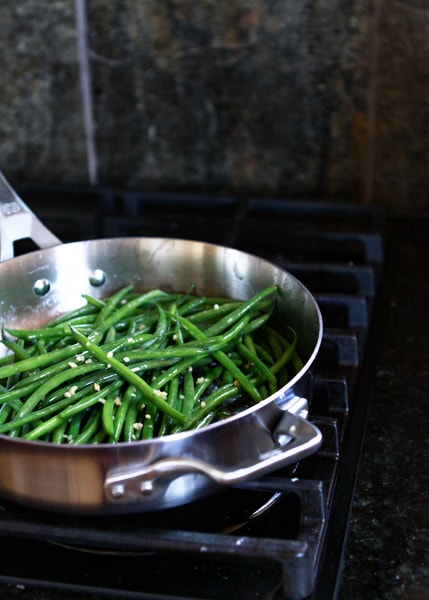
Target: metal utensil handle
{"x":294,"y":438}
{"x":18,"y":222}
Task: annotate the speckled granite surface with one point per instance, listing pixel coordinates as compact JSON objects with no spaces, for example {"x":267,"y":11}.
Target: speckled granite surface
{"x":388,"y":548}
{"x":387,"y":556}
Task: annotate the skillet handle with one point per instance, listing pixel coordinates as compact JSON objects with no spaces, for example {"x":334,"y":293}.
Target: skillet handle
{"x":294,"y":438}
{"x":18,"y":222}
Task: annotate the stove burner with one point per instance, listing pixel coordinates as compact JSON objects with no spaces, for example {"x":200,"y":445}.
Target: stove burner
{"x":228,"y":523}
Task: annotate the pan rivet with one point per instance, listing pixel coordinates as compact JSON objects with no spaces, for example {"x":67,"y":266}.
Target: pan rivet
{"x":41,"y":287}
{"x":118,"y":491}
{"x":97,"y":277}
{"x":146,"y":488}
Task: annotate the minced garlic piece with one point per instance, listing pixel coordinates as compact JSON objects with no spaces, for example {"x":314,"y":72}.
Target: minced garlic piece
{"x":71,"y":391}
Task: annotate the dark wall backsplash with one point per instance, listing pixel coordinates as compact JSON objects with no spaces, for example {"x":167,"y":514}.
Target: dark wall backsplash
{"x":290,"y":98}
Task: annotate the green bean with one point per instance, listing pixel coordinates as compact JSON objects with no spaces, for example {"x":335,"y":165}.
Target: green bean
{"x":227,"y":377}
{"x":74,"y":426}
{"x":263,"y":353}
{"x":61,"y":365}
{"x":149,"y":422}
{"x":257,"y":323}
{"x":90,"y":428}
{"x":18,"y":392}
{"x":15,"y":347}
{"x":245,"y":383}
{"x":210,"y":314}
{"x":251,"y":356}
{"x":43,"y":360}
{"x":121,"y":413}
{"x":110,"y":335}
{"x":131,"y":425}
{"x":174,"y":401}
{"x":6,"y":359}
{"x":49,"y":334}
{"x":67,"y":317}
{"x":249,"y":343}
{"x":213,"y":401}
{"x":58,"y":434}
{"x":94,"y":302}
{"x":43,"y":412}
{"x":297,"y":362}
{"x":70,"y":411}
{"x":188,"y":392}
{"x":239,"y":312}
{"x":41,"y":347}
{"x":159,"y":363}
{"x":39,"y":394}
{"x":148,"y":392}
{"x":162,"y":326}
{"x":107,"y":415}
{"x":193,"y":349}
{"x":130,"y":306}
{"x":206,"y":381}
{"x":184,"y":364}
{"x":178,"y":334}
{"x":111,"y":304}
{"x":5,"y":411}
{"x":191,"y":305}
{"x":288,"y":351}
{"x":204,"y":420}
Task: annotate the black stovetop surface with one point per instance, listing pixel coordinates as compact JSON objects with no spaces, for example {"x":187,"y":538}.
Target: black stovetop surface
{"x":211,"y":548}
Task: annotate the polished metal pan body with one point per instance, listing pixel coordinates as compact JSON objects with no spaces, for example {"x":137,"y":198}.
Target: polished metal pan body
{"x":177,"y":469}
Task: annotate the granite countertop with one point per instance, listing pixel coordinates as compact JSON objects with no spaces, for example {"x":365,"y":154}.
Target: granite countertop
{"x":387,"y":553}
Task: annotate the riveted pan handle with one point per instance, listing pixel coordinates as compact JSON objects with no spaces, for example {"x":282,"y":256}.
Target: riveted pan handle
{"x":294,"y":438}
{"x":18,"y":222}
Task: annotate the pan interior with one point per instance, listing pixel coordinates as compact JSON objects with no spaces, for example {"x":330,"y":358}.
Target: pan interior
{"x":38,"y":286}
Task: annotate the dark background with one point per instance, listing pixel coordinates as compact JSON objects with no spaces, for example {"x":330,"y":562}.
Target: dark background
{"x":297,"y":98}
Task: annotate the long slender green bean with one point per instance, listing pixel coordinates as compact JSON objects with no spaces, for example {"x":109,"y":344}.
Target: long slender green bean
{"x":69,"y":411}
{"x":148,"y":392}
{"x":229,"y":364}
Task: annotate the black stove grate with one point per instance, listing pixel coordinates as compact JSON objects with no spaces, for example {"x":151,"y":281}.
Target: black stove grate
{"x":282,"y":536}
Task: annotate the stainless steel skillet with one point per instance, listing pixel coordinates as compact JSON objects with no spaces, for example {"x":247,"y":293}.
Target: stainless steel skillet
{"x":165,"y":472}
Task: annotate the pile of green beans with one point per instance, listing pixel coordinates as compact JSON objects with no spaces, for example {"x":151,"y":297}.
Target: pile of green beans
{"x":141,"y":365}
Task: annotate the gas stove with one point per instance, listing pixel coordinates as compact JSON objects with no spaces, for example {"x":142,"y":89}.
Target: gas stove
{"x":281,"y":536}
